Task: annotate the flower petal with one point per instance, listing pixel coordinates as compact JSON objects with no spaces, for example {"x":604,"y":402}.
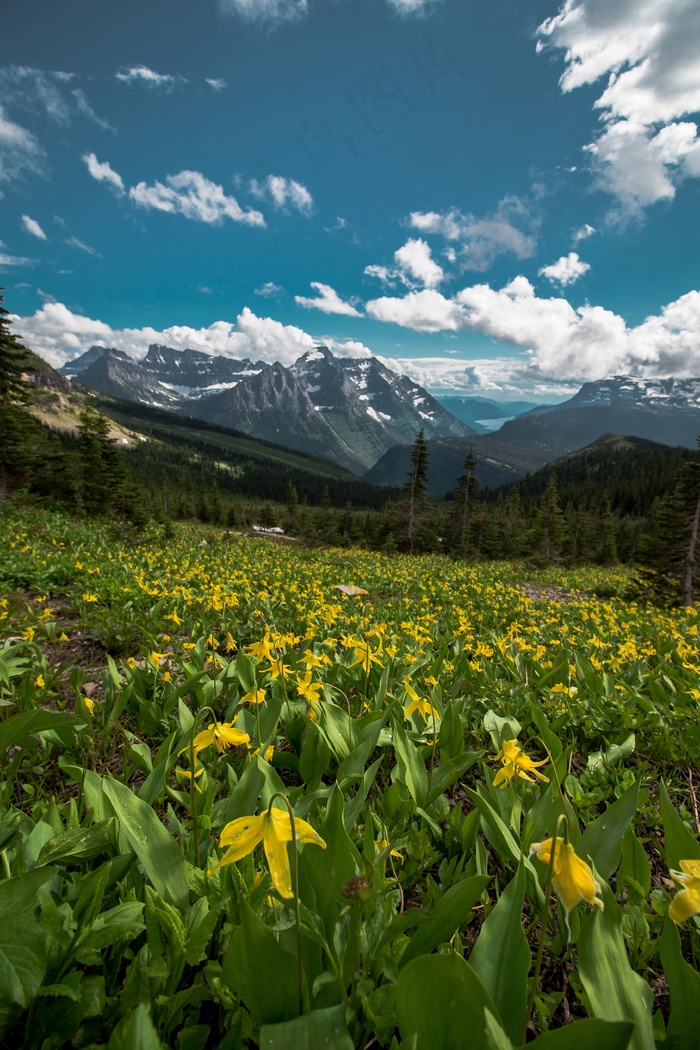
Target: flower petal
{"x":243,"y":835}
{"x":277,"y":857}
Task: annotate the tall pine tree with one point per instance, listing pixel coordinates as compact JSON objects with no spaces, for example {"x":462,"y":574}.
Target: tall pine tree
{"x":417,"y":508}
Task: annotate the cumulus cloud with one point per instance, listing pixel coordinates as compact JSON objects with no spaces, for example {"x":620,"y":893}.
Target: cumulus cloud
{"x":149,"y":78}
{"x":510,"y":230}
{"x":284,"y":193}
{"x":193,"y":195}
{"x":103,"y":172}
{"x":508,"y":376}
{"x":562,"y":342}
{"x":59,"y":335}
{"x":565,"y":270}
{"x":19,"y":150}
{"x":327,"y":301}
{"x":647,"y":51}
{"x":216,"y":83}
{"x":415,"y":259}
{"x":33,"y":227}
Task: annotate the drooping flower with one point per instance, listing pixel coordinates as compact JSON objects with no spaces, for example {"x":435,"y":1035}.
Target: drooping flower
{"x":515,"y":763}
{"x":222,"y":734}
{"x":572,"y":878}
{"x":420,"y":704}
{"x":255,"y":696}
{"x":687,"y":901}
{"x":274,"y":829}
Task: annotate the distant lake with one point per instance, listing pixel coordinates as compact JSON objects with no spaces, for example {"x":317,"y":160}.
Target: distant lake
{"x":495,"y":424}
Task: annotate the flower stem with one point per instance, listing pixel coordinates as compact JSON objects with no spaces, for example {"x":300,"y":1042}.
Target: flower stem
{"x":297,"y":913}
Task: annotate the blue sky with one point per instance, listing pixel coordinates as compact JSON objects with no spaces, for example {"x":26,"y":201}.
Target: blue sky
{"x":498,"y":199}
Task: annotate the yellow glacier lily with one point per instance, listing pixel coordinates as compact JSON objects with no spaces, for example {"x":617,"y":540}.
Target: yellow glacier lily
{"x":223,"y":734}
{"x":572,"y":878}
{"x":515,"y":763}
{"x":687,"y":901}
{"x":274,"y":829}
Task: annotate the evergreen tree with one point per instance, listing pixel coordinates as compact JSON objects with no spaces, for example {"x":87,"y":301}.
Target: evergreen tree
{"x":417,"y":508}
{"x":550,"y":525}
{"x":460,"y":524}
{"x":671,"y":548}
{"x":103,"y":475}
{"x":13,"y":362}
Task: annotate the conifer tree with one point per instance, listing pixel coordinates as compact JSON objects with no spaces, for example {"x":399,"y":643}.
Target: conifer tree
{"x":13,"y":361}
{"x":417,"y":508}
{"x":671,"y":547}
{"x":463,"y":511}
{"x":550,"y":524}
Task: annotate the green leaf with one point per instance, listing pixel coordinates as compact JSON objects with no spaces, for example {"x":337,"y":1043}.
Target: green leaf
{"x":505,"y":844}
{"x":602,"y":839}
{"x":78,"y":844}
{"x":442,"y":1003}
{"x":451,"y":736}
{"x":612,"y":755}
{"x":22,"y":941}
{"x":261,"y":972}
{"x":635,"y":863}
{"x":454,"y":909}
{"x":679,"y":844}
{"x":320,"y":1030}
{"x":684,"y":987}
{"x":615,"y":991}
{"x":448,"y":772}
{"x":135,"y":1032}
{"x":330,"y":868}
{"x":583,"y":1035}
{"x":501,"y":956}
{"x":413,"y":765}
{"x":157,"y":850}
{"x":17,"y":730}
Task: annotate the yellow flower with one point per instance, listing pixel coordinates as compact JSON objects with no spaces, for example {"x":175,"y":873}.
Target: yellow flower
{"x":174,"y":617}
{"x":222,"y":734}
{"x":261,"y":649}
{"x":687,"y":901}
{"x":155,"y":658}
{"x":515,"y":763}
{"x":572,"y":878}
{"x":255,"y":696}
{"x":269,"y":752}
{"x":274,"y":829}
{"x":365,"y":656}
{"x":63,"y":637}
{"x":90,"y":704}
{"x":28,"y":635}
{"x":308,"y":689}
{"x":39,"y":681}
{"x":186,"y":773}
{"x":131,"y":662}
{"x":165,"y":677}
{"x":419,"y":704}
{"x":89,"y":597}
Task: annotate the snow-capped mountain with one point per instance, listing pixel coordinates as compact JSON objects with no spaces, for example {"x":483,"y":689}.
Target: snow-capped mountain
{"x":348,"y":409}
{"x":650,"y":394}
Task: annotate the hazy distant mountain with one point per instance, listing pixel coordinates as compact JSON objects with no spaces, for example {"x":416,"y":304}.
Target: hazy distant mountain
{"x":471,"y":410}
{"x":661,"y":410}
{"x":348,"y":409}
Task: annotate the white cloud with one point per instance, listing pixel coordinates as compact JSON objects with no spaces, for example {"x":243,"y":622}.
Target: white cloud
{"x":58,"y":334}
{"x":283,"y":193}
{"x":562,"y":342}
{"x":265,"y":11}
{"x":270,"y":290}
{"x":149,"y":78}
{"x":86,"y":109}
{"x":509,"y":377}
{"x":424,"y":311}
{"x":33,"y":227}
{"x":216,"y":83}
{"x":193,"y":195}
{"x":511,"y":230}
{"x":19,"y":150}
{"x":565,"y":270}
{"x":73,"y":242}
{"x":103,"y":172}
{"x":648,"y":52}
{"x":584,"y":232}
{"x":47,"y":91}
{"x":328,"y":301}
{"x":411,"y":7}
{"x":14,"y":260}
{"x":415,"y":260}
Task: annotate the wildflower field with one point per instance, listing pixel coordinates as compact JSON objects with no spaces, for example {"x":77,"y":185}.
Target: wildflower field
{"x":256,"y":795}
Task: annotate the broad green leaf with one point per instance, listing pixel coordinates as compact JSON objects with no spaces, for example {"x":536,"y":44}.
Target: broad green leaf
{"x":602,"y":839}
{"x":413,"y":765}
{"x":315,"y":756}
{"x":16,"y":730}
{"x":157,"y":850}
{"x":448,"y":772}
{"x":679,"y":844}
{"x":319,"y":1030}
{"x":586,"y":1035}
{"x":22,"y":941}
{"x":353,"y":807}
{"x":243,"y":800}
{"x":451,"y":736}
{"x":500,"y":729}
{"x":442,"y":1003}
{"x":454,"y":909}
{"x":76,"y":845}
{"x":501,"y":956}
{"x":635,"y":863}
{"x":135,"y":1032}
{"x":330,"y":868}
{"x":550,"y":740}
{"x":684,"y":987}
{"x":261,"y":972}
{"x":615,"y":991}
{"x":613,"y":755}
{"x":505,"y":844}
